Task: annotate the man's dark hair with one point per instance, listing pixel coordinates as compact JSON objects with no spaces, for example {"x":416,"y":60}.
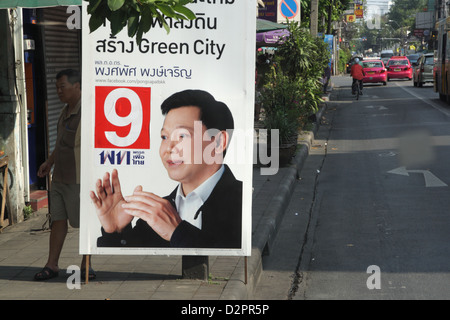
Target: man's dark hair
{"x":213,"y":114}
{"x":73,"y":76}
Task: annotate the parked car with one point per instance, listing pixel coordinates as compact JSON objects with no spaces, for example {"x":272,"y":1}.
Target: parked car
{"x":375,"y":71}
{"x":423,"y":73}
{"x":399,"y":68}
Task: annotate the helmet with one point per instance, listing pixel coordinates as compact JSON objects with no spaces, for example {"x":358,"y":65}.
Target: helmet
{"x":356,"y":60}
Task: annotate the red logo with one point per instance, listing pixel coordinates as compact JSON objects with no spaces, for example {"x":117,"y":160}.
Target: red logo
{"x":122,"y":117}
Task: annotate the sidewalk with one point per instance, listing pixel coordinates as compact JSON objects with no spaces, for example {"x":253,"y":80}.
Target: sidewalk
{"x":23,"y":252}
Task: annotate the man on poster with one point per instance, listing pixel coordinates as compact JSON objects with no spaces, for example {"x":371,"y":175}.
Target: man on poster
{"x":205,"y":210}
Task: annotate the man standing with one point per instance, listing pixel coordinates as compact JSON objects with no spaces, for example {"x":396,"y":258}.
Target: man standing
{"x":65,"y":186}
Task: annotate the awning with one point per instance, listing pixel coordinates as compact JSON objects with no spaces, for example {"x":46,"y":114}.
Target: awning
{"x":271,"y":38}
{"x":37,"y":3}
{"x":266,"y":25}
{"x":269,"y":33}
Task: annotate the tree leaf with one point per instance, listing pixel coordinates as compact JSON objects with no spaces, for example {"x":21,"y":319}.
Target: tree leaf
{"x":165,"y":25}
{"x":184,"y":11}
{"x":133,"y":24}
{"x":139,"y":34}
{"x":160,"y":17}
{"x":184,"y":2}
{"x":146,"y":19}
{"x":137,"y":15}
{"x":115,"y":4}
{"x":134,"y":5}
{"x":166,"y":10}
{"x":93,"y":5}
{"x":118,"y":21}
{"x":95,"y":22}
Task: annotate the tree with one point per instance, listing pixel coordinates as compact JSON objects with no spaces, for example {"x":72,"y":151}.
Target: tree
{"x":294,"y":88}
{"x":136,"y":15}
{"x":329,"y":11}
{"x":403,"y":12}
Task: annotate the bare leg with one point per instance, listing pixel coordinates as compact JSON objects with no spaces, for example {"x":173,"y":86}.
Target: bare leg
{"x":57,"y":236}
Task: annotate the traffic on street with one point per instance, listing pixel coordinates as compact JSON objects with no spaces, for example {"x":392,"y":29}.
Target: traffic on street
{"x":368,"y":218}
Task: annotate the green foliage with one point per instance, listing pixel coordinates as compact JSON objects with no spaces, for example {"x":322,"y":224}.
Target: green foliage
{"x":403,"y":12}
{"x":293,"y":89}
{"x":302,"y":55}
{"x":344,"y":57}
{"x":280,"y":99}
{"x":304,"y":58}
{"x":337,"y":8}
{"x":27,"y":212}
{"x":136,"y":15}
{"x":295,"y":52}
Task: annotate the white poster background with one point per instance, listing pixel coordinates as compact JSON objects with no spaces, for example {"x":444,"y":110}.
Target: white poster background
{"x":217,"y":54}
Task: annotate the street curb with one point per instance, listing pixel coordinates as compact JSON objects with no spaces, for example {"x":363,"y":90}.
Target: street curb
{"x":236,"y":288}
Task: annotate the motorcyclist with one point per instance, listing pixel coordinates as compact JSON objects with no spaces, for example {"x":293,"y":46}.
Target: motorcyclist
{"x":357,"y":73}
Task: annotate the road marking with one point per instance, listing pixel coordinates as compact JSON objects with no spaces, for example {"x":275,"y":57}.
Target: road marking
{"x":387,"y":154}
{"x":427,"y":101}
{"x":379,"y":108}
{"x":431,"y":181}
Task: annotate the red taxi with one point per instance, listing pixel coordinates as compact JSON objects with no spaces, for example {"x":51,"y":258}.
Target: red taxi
{"x":399,"y":68}
{"x":375,"y":71}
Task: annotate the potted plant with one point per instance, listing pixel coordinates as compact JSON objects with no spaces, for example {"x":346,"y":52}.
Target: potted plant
{"x":281,"y":113}
{"x":292,"y":91}
{"x":303,"y":58}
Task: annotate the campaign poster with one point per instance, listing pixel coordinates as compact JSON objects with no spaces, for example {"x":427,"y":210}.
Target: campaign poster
{"x":167,"y":135}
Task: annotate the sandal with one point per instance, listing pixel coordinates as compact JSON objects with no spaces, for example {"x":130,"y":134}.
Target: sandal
{"x":45,"y":274}
{"x":92,"y":274}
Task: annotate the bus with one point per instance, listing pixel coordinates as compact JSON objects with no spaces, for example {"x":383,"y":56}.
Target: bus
{"x":441,"y":71}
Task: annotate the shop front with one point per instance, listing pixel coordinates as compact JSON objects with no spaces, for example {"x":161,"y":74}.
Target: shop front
{"x":39,"y":43}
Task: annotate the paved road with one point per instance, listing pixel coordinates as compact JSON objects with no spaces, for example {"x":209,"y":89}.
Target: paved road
{"x":369,"y":218}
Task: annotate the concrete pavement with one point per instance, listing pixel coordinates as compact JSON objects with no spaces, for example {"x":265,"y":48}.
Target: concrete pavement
{"x":24,"y":251}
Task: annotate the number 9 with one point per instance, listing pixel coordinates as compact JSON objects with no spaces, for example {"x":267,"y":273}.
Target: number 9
{"x":134,"y":117}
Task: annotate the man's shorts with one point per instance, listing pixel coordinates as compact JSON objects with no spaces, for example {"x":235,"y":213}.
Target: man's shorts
{"x":65,"y":203}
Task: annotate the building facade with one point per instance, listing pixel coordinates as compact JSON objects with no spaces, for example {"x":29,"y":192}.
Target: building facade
{"x":39,"y":43}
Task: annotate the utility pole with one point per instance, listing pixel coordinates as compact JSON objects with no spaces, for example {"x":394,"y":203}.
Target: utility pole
{"x":314,"y":17}
{"x":330,"y":13}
